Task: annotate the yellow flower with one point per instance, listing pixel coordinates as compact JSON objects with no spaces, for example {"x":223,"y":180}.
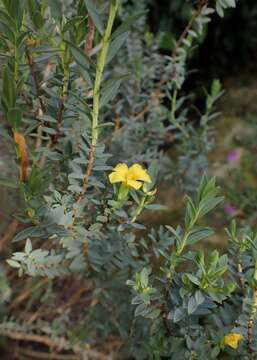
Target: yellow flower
{"x":232,"y":340}
{"x":30,"y":42}
{"x":131,"y":177}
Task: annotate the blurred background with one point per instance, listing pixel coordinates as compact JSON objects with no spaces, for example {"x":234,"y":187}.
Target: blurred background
{"x":227,"y":51}
{"x":228,"y":45}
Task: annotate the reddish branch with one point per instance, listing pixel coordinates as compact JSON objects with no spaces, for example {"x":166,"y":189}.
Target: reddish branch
{"x":9,"y":233}
{"x":59,"y":120}
{"x":24,"y":159}
{"x":155,"y":96}
{"x":197,"y":13}
{"x":31,"y":63}
{"x":87,"y":174}
{"x":90,"y":36}
{"x":88,"y":47}
{"x":157,"y":93}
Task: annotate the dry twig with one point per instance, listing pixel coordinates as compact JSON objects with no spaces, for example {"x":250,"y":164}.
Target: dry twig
{"x":9,"y":233}
{"x":59,"y":344}
{"x":90,"y":36}
{"x":24,"y":295}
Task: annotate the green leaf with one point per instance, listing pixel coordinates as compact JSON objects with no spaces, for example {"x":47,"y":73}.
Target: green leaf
{"x":106,"y":124}
{"x":81,"y":100}
{"x":28,"y":246}
{"x":115,"y":46}
{"x":231,"y":287}
{"x":9,"y":89}
{"x":8,"y":26}
{"x":82,"y":60}
{"x":7,"y":19}
{"x":153,"y":172}
{"x":9,"y":183}
{"x":33,"y":231}
{"x":123,"y":192}
{"x":215,"y":87}
{"x":199,"y":297}
{"x":198,"y":235}
{"x":79,"y":55}
{"x":13,"y":263}
{"x":190,"y":216}
{"x":14,"y":116}
{"x":219,"y":272}
{"x":92,"y":10}
{"x":49,"y":130}
{"x":192,"y":305}
{"x":124,"y":27}
{"x":209,"y":204}
{"x":35,"y":13}
{"x":213,"y":260}
{"x":144,"y":277}
{"x":230,"y":3}
{"x":156,"y":207}
{"x":71,"y":23}
{"x":56,"y":9}
{"x":7,"y":32}
{"x":179,"y":314}
{"x":215,"y":352}
{"x":193,"y":279}
{"x":177,"y":233}
{"x":141,"y":310}
{"x":110,"y":89}
{"x":15,"y":10}
{"x":153,"y":314}
{"x":219,"y":10}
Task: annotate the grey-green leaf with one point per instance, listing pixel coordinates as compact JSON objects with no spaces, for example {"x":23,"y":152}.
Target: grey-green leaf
{"x":92,"y":10}
{"x":110,"y":90}
{"x":115,"y":46}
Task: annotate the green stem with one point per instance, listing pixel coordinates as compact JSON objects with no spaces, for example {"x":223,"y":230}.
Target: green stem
{"x":175,"y":256}
{"x":65,"y":60}
{"x":100,"y":68}
{"x":173,"y":114}
{"x":138,"y":210}
{"x":65,"y":78}
{"x":16,"y":63}
{"x":183,"y":244}
{"x":173,"y":105}
{"x":101,"y":60}
{"x":63,"y":92}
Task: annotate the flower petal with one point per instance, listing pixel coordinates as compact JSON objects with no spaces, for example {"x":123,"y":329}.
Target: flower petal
{"x":115,"y":177}
{"x":232,"y":340}
{"x":119,"y":174}
{"x":134,"y":184}
{"x":121,"y":168}
{"x":136,"y":172}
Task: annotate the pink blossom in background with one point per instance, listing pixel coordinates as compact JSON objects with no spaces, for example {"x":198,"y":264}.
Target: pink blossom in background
{"x":230,"y":210}
{"x":233,"y":155}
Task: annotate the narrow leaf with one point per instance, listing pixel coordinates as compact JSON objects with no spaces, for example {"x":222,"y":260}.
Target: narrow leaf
{"x":124,"y":27}
{"x":115,"y":46}
{"x":92,"y":10}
